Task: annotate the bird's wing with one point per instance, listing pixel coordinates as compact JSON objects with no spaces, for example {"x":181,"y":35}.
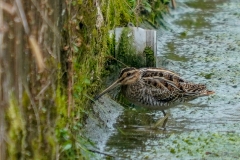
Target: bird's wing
{"x":161,"y":88}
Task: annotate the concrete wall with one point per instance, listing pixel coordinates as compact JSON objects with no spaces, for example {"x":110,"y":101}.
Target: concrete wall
{"x":142,"y":38}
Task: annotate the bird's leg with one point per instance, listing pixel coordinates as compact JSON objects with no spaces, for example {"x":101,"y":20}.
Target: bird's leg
{"x":162,"y":121}
{"x":166,"y":118}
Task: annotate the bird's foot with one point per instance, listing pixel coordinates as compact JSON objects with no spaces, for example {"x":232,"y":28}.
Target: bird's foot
{"x":161,"y":122}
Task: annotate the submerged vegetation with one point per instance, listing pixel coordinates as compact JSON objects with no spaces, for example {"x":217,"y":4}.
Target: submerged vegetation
{"x":202,"y":145}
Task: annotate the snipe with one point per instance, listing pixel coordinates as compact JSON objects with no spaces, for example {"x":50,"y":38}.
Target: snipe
{"x":156,"y":88}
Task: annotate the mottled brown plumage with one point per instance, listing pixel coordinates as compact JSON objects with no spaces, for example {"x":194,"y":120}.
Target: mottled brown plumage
{"x":156,"y":88}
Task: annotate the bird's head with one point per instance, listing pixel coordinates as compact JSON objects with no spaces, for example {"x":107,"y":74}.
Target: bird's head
{"x":127,"y":76}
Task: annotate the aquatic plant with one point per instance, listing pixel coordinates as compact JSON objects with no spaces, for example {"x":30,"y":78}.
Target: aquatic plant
{"x":150,"y":11}
{"x":202,"y":145}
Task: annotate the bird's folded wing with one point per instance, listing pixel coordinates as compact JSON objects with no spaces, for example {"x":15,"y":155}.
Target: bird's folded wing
{"x":162,"y":89}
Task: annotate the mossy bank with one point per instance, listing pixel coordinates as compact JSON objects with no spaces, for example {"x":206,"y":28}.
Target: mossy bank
{"x":92,"y":55}
{"x":54,"y":60}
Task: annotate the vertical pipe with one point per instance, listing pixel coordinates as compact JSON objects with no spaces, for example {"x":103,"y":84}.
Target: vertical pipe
{"x":173,"y":4}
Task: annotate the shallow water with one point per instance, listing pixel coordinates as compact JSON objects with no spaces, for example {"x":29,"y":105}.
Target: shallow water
{"x":202,"y":44}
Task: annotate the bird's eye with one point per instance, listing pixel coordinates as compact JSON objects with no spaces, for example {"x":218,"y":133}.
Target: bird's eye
{"x":128,"y":74}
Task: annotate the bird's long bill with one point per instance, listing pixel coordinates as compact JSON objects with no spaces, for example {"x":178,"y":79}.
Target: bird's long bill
{"x":207,"y":93}
{"x":115,"y":84}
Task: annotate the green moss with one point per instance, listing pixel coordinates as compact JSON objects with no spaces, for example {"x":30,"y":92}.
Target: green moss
{"x":93,"y":54}
{"x":90,"y":48}
{"x":16,"y":131}
{"x":150,"y":57}
{"x":118,"y":13}
{"x":30,"y":136}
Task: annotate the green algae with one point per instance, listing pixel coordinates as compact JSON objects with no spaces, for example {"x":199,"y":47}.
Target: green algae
{"x":196,"y":22}
{"x":202,"y":145}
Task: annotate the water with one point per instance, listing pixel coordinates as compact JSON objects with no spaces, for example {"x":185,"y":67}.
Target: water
{"x":202,"y":44}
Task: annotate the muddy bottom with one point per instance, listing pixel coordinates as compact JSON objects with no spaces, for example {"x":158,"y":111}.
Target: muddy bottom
{"x":202,"y":44}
